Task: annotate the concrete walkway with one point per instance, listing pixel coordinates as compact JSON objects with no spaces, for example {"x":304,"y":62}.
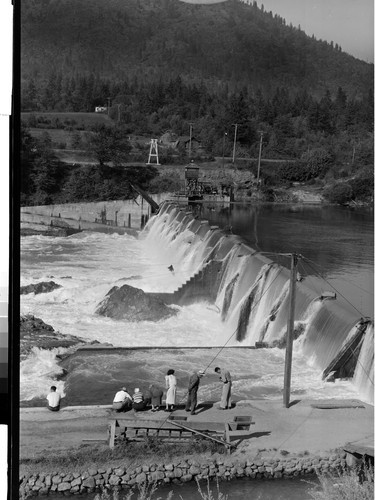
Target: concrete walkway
{"x":298,"y":429}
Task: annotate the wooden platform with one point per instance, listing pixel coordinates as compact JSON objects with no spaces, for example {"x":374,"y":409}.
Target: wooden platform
{"x":177,"y":428}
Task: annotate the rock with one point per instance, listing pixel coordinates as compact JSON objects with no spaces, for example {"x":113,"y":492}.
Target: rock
{"x":120,"y":472}
{"x":133,"y":304}
{"x":157,"y":476}
{"x":141,"y":478}
{"x":177,"y":472}
{"x":114,"y":480}
{"x":89,"y":482}
{"x":42,"y":287}
{"x":169,"y":467}
{"x":92,"y":472}
{"x":31,"y":229}
{"x":76,"y":482}
{"x":65,"y":486}
{"x":186,"y":478}
{"x":56,"y":480}
{"x":35,"y":333}
{"x":194,"y":470}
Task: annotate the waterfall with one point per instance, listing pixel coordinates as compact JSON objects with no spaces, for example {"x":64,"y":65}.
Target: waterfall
{"x":364,"y":373}
{"x":228,"y":296}
{"x":253,"y":292}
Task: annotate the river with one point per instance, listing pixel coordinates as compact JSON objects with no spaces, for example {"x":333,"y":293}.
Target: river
{"x":338,"y":242}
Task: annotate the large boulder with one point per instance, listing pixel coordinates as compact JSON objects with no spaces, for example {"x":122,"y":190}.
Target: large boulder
{"x":42,"y":287}
{"x":133,"y":304}
{"x":35,"y":333}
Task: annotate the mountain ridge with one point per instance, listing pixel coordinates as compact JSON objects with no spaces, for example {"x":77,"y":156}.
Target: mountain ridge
{"x":230,"y":43}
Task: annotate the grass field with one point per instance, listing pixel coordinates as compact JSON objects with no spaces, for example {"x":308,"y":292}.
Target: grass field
{"x":82,"y":120}
{"x":58,"y":136}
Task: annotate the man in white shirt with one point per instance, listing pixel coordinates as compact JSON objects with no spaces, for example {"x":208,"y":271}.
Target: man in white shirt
{"x":122,"y":400}
{"x":53,"y":399}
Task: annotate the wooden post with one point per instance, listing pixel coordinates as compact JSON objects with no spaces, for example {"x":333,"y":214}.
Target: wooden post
{"x":290,"y":330}
{"x":112,"y":432}
{"x":130,"y":220}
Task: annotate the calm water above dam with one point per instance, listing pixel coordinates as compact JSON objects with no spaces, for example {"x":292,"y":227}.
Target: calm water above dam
{"x":339,"y":241}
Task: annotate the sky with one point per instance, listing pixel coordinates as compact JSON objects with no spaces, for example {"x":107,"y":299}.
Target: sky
{"x":349,"y":23}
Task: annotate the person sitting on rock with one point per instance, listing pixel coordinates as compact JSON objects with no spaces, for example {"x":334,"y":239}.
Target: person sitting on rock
{"x":53,"y":399}
{"x":139,"y":402}
{"x":122,"y":400}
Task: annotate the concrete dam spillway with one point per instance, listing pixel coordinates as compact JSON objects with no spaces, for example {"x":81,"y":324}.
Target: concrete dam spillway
{"x":250,"y":291}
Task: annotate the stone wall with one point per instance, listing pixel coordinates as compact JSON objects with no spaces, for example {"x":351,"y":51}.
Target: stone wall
{"x":223,"y":468}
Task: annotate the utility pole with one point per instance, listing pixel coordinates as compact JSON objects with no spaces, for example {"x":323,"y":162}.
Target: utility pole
{"x":108,"y":103}
{"x":118,"y":112}
{"x":260,"y":155}
{"x":191,"y":133}
{"x":225,"y":134}
{"x":353,"y":155}
{"x":290,"y":330}
{"x":234,"y":142}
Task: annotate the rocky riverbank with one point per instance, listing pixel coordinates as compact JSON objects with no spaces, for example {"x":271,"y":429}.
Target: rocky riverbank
{"x":34,"y":332}
{"x":224,"y":469}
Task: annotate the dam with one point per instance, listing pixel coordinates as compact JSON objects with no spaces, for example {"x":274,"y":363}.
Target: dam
{"x":229,"y":294}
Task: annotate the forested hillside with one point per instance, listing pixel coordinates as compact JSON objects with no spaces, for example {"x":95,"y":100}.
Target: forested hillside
{"x":231,"y":43}
{"x":164,"y":65}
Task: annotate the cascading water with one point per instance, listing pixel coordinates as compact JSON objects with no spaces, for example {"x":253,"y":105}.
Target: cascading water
{"x":253,"y":292}
{"x":364,"y":373}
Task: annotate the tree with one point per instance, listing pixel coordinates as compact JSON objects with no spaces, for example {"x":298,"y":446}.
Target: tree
{"x":109,"y":144}
{"x":340,"y":193}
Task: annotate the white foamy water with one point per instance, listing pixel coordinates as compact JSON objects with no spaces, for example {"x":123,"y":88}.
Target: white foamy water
{"x":38,"y":372}
{"x":88,"y":265}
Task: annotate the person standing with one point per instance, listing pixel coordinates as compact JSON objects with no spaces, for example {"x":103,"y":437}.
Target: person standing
{"x":122,"y":400}
{"x":171,"y":385}
{"x":53,"y":399}
{"x":226,"y":399}
{"x":156,"y":393}
{"x":193,"y":386}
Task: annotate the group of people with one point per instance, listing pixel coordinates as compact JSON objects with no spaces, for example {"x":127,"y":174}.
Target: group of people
{"x":123,"y":401}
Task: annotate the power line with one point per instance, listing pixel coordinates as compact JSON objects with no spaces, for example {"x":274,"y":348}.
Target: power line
{"x":324,"y":279}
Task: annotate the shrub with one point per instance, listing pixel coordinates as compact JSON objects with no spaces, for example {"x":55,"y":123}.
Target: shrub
{"x":347,"y":485}
{"x":363,"y":185}
{"x":166,"y":183}
{"x":339,"y":193}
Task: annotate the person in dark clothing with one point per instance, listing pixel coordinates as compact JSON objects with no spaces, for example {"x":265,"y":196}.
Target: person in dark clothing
{"x":194,"y":381}
{"x":156,"y":393}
